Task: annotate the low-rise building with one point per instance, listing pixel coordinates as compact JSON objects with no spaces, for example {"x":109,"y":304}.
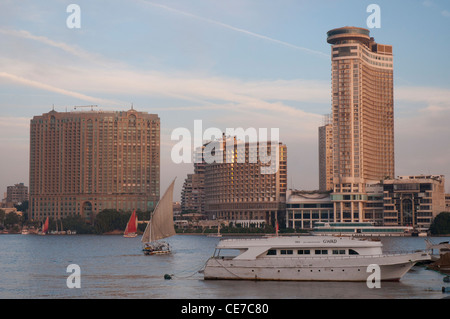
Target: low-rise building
{"x":305,"y":208}
{"x":413,"y":200}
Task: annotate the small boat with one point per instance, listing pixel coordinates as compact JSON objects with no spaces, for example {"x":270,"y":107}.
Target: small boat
{"x":62,"y":231}
{"x":307,"y":258}
{"x":218,"y":235}
{"x":25,"y":231}
{"x":131,"y":229}
{"x":160,"y":226}
{"x":44,"y":230}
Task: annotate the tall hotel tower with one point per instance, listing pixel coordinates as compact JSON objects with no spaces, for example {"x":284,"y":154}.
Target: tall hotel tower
{"x":363,"y":119}
{"x":84,"y":162}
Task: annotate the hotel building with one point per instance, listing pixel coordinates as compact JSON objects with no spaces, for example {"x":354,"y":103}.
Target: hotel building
{"x":326,"y":155}
{"x":84,"y":162}
{"x":363,"y":120}
{"x":238,"y":191}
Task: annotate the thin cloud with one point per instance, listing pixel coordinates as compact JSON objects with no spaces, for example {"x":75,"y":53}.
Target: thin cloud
{"x":43,"y":86}
{"x":230,"y":27}
{"x":60,"y":45}
{"x":73,"y":50}
{"x":429,"y":95}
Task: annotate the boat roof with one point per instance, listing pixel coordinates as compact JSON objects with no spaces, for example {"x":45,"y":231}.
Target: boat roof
{"x":297,"y":242}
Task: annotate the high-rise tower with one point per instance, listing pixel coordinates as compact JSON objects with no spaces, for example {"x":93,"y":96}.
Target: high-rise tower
{"x":363,"y":118}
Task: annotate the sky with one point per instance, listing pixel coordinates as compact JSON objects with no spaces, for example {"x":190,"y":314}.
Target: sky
{"x":231,"y":64}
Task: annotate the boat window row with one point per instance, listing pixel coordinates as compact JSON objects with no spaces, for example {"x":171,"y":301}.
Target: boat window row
{"x":274,"y":252}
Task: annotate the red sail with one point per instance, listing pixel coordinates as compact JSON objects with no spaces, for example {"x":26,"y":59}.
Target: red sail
{"x":132,"y":224}
{"x":45,"y":226}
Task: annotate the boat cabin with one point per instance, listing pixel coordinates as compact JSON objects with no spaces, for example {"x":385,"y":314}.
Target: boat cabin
{"x":296,"y":247}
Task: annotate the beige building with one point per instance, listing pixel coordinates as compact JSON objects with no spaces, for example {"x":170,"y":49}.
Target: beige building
{"x":193,"y":192}
{"x":363,"y":118}
{"x":16,"y":194}
{"x":413,"y":200}
{"x":305,"y":208}
{"x":326,"y":155}
{"x":84,"y":162}
{"x":237,"y":191}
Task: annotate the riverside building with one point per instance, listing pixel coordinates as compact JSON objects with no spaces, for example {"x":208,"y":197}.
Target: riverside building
{"x":326,"y":155}
{"x":362,"y":120}
{"x":84,"y":162}
{"x":237,"y":191}
{"x":306,"y":208}
{"x":413,"y":200}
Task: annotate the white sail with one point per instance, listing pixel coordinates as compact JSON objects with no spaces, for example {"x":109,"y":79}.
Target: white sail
{"x":161,"y":222}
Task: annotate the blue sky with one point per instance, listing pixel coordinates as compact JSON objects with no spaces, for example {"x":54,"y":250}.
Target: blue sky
{"x":235,"y":63}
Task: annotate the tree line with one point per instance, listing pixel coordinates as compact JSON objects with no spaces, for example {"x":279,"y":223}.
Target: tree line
{"x":106,"y":221}
{"x":110,"y":220}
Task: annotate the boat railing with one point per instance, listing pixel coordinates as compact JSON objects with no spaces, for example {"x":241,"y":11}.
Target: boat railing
{"x":336,"y":257}
{"x":341,"y":256}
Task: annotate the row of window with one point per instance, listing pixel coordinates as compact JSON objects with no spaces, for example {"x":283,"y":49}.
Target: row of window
{"x":274,"y":252}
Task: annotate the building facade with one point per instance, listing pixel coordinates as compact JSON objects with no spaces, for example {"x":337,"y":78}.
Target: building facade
{"x":306,"y":208}
{"x":239,"y":191}
{"x":16,"y":194}
{"x":447,"y":203}
{"x":326,"y":155}
{"x":192,"y":194}
{"x":413,"y":200}
{"x":84,"y":162}
{"x":193,"y":191}
{"x":363,"y":118}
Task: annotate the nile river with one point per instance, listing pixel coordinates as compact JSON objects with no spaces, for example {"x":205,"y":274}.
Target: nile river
{"x":35,"y":267}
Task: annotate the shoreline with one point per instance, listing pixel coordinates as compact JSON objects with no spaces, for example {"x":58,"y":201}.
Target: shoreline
{"x":213,"y":234}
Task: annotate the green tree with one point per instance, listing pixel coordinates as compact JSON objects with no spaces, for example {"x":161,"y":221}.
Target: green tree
{"x":2,"y":217}
{"x":109,"y":220}
{"x":11,"y":219}
{"x":441,"y":224}
{"x":23,"y":207}
{"x":78,"y":224}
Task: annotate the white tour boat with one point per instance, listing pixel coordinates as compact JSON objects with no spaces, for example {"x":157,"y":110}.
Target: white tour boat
{"x":307,"y":258}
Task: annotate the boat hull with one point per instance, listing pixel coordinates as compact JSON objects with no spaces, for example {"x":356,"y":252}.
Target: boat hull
{"x":156,"y":248}
{"x":149,"y":253}
{"x":392,"y":268}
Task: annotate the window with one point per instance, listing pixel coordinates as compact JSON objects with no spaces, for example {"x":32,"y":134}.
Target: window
{"x":353,"y":252}
{"x":321,"y":252}
{"x":286,"y":251}
{"x":303,"y":252}
{"x":338,"y":251}
{"x":271,"y":252}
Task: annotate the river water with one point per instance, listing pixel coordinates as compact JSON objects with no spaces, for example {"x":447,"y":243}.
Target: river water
{"x":35,"y":267}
